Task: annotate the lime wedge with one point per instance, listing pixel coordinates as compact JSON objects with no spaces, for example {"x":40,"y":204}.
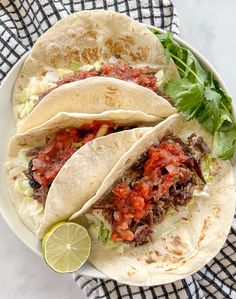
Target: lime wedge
{"x":66,"y":247}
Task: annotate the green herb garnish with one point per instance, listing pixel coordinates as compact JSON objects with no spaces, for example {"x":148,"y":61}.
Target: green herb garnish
{"x":200,"y":96}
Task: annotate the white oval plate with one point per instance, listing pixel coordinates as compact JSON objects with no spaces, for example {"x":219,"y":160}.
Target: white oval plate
{"x":7,"y":125}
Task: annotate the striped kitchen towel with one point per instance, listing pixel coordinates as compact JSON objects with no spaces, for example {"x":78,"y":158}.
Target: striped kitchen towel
{"x":21,"y":23}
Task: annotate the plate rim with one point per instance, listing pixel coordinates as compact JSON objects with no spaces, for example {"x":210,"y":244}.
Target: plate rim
{"x":87,"y":269}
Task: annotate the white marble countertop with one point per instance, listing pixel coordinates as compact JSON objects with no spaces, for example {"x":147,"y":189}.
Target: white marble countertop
{"x":210,"y":27}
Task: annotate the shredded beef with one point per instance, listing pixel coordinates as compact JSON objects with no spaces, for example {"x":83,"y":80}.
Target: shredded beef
{"x":121,"y":128}
{"x":198,"y":142}
{"x":142,"y":234}
{"x":185,"y":175}
{"x":41,"y":194}
{"x":47,"y":161}
{"x":192,"y":139}
{"x":202,"y":146}
{"x":188,"y":151}
{"x":120,"y":70}
{"x":135,"y":172}
{"x":184,"y":195}
{"x":33,"y":152}
{"x":29,"y":173}
{"x":159,"y":210}
{"x":34,"y":184}
{"x":160,"y":200}
{"x":176,"y":197}
{"x":70,"y":77}
{"x":198,"y":170}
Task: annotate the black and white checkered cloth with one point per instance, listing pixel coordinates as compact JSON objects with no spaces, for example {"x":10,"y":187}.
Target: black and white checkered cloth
{"x":21,"y":23}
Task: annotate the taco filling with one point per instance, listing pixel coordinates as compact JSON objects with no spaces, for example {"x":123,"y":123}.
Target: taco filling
{"x":119,"y":70}
{"x":38,"y":88}
{"x":163,"y":178}
{"x":45,"y":162}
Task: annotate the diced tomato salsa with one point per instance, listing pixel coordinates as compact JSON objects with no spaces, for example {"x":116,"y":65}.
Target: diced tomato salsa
{"x":133,"y":203}
{"x":119,"y":70}
{"x":122,"y":71}
{"x":71,"y":77}
{"x":60,"y":147}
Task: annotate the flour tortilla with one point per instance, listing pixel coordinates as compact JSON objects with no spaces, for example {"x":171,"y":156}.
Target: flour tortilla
{"x":186,"y":240}
{"x":86,"y":37}
{"x":95,"y":95}
{"x":83,"y":172}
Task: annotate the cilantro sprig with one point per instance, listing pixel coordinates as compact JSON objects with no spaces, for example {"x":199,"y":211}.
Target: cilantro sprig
{"x":200,"y":96}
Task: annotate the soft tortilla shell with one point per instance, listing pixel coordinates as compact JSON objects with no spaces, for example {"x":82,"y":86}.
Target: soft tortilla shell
{"x":62,"y":120}
{"x":186,"y":240}
{"x":87,"y":36}
{"x":83,"y":172}
{"x":95,"y":95}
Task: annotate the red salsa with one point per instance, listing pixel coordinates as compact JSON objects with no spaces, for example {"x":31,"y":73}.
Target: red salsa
{"x":165,"y":168}
{"x":122,"y":71}
{"x":48,"y":160}
{"x":119,"y":70}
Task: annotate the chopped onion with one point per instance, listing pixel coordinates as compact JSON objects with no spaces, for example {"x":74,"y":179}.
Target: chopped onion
{"x":51,"y":77}
{"x":102,"y":130}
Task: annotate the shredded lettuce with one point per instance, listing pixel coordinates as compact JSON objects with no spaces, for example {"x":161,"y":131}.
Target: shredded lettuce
{"x":36,"y":86}
{"x":23,"y":95}
{"x":26,"y":107}
{"x":104,"y":233}
{"x":18,"y":164}
{"x":88,"y":67}
{"x":100,"y":229}
{"x":16,"y":168}
{"x":28,"y":98}
{"x":23,"y":187}
{"x":207,"y":164}
{"x":27,"y":204}
{"x":63,"y":72}
{"x":75,"y":66}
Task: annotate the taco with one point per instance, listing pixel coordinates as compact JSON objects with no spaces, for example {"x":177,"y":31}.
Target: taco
{"x":95,"y":95}
{"x":164,"y":210}
{"x":87,"y":44}
{"x":91,"y":144}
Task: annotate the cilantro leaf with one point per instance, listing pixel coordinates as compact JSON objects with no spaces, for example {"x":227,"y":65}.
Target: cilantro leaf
{"x":199,"y":95}
{"x":187,"y":64}
{"x":181,"y":90}
{"x":210,"y":114}
{"x":226,"y":141}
